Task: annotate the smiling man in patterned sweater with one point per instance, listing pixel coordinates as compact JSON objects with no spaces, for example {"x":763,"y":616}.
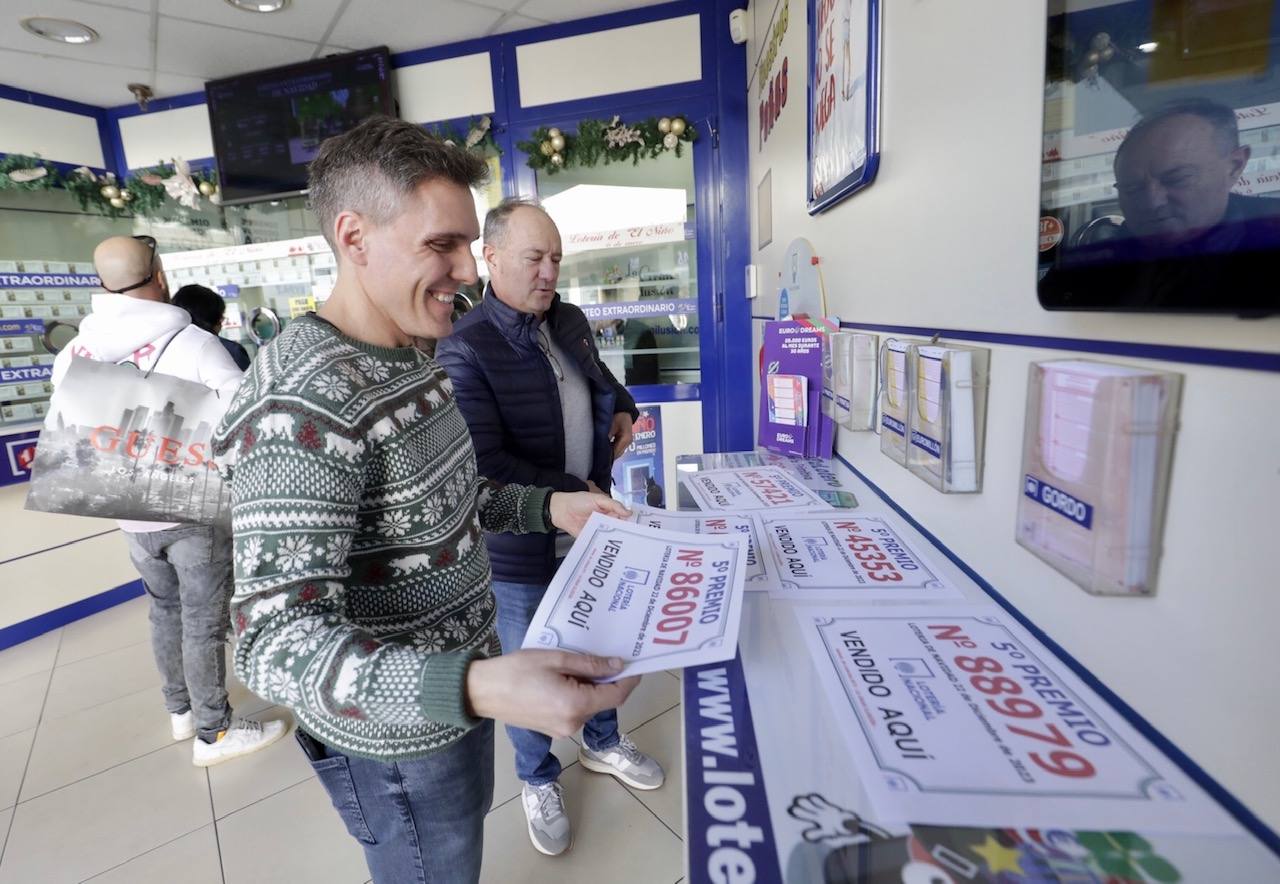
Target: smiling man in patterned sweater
{"x":363,"y":598}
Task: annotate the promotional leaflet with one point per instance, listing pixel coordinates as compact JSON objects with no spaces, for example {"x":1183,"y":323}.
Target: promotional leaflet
{"x":757,"y":573}
{"x":657,"y":599}
{"x":956,"y":716}
{"x":855,"y":556}
{"x":753,"y":488}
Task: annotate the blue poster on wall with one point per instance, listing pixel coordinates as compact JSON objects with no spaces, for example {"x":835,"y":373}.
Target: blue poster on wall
{"x":638,"y":476}
{"x":19,"y":450}
{"x":844,"y":99}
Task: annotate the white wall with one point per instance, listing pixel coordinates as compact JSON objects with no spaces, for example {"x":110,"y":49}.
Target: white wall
{"x":446,"y":89}
{"x":55,"y":135}
{"x":158,"y":137}
{"x":642,"y":56}
{"x":944,"y":238}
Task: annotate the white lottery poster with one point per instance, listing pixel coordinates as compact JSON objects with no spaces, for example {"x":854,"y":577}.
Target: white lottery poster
{"x":757,"y":574}
{"x":657,"y":599}
{"x":750,"y":489}
{"x":855,"y":556}
{"x":956,"y":716}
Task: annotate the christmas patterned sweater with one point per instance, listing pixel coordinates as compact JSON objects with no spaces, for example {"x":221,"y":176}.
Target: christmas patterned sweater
{"x":362,"y":580}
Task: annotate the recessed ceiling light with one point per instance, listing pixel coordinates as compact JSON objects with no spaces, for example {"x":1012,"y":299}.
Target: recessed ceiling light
{"x":1148,"y":47}
{"x":259,"y":5}
{"x":60,"y":30}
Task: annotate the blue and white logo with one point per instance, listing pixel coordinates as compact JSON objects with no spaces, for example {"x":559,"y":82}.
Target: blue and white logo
{"x":893,"y":424}
{"x":1059,"y":501}
{"x":636,"y":575}
{"x":926,"y":443}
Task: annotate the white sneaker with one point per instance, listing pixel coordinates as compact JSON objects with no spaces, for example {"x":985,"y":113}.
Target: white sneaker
{"x":182,"y":725}
{"x":241,"y":738}
{"x":625,"y":762}
{"x":544,"y":812}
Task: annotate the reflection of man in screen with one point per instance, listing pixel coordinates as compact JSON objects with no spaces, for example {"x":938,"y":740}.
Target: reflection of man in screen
{"x":1174,"y":175}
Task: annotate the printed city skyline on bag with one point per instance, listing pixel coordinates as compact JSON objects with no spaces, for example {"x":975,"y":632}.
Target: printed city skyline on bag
{"x":123,"y":445}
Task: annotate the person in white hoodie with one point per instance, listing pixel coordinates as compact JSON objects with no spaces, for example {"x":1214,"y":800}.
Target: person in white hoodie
{"x":185,"y":568}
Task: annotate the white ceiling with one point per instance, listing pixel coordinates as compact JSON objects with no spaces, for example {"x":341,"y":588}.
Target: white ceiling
{"x":175,"y":45}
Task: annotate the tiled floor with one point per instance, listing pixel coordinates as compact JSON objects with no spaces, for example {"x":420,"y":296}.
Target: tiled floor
{"x":92,"y":788}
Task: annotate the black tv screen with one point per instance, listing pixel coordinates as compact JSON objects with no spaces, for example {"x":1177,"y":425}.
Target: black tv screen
{"x":268,"y":125}
{"x":1160,"y":177}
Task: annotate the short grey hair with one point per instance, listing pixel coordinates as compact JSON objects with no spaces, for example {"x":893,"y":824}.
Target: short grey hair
{"x":495,"y":223}
{"x":373,"y":167}
{"x":1219,"y":116}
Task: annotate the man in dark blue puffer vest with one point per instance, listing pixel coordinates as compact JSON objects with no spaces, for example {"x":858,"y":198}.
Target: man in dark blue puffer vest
{"x":543,"y":410}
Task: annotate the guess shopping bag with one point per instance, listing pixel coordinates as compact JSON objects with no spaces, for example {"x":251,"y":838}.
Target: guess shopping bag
{"x":126,"y":445}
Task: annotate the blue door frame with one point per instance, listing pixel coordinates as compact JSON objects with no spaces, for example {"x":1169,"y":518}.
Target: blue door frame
{"x":710,"y":343}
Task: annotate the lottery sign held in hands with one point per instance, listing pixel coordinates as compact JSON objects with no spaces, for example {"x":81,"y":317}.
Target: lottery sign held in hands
{"x":657,"y":599}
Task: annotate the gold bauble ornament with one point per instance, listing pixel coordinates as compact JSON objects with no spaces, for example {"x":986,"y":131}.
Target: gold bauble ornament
{"x":557,"y":143}
{"x":553,"y":132}
{"x":126,"y":196}
{"x":546,"y":148}
{"x":664,"y":125}
{"x":110,"y":192}
{"x":206,"y":188}
{"x":117,"y":202}
{"x":678,"y":126}
{"x":670,"y":140}
{"x":557,"y":159}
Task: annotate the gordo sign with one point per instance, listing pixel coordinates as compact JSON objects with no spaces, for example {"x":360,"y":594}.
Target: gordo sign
{"x":657,"y":599}
{"x":956,"y":717}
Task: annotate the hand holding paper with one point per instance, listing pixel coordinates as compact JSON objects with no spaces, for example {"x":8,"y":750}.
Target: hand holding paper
{"x":570,"y":510}
{"x":657,"y":599}
{"x":545,"y":691}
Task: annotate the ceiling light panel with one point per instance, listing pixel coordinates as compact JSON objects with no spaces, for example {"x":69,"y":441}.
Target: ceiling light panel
{"x":124,"y":35}
{"x":60,"y":30}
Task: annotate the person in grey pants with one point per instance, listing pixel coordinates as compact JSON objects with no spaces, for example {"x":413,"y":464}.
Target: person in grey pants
{"x":187,"y":573}
{"x":186,"y":569}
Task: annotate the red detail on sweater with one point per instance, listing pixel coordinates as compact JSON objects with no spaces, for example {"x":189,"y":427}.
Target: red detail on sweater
{"x":309,"y":436}
{"x":309,"y":593}
{"x":445,"y":558}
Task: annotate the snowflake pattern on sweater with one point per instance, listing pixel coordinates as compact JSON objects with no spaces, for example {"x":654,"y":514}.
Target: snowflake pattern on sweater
{"x":363,"y":586}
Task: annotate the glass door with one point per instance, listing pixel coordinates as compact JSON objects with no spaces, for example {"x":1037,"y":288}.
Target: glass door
{"x":638,"y":260}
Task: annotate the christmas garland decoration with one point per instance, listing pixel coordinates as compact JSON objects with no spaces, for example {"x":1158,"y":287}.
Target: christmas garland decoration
{"x":479,"y":138}
{"x":612,"y":141}
{"x":147,"y":193}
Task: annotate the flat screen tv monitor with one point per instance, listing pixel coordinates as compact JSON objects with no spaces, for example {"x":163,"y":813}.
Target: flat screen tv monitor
{"x":268,"y":125}
{"x":1160,"y":175}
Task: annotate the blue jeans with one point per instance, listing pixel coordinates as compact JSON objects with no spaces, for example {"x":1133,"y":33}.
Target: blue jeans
{"x":187,"y":574}
{"x":418,"y":821}
{"x":536,"y":764}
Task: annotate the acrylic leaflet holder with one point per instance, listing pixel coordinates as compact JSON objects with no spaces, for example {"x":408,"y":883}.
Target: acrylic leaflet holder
{"x":855,"y":367}
{"x":1097,"y":450}
{"x":948,"y":416}
{"x":896,"y":369}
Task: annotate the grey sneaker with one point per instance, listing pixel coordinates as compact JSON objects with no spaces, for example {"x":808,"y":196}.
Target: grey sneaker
{"x":625,"y":762}
{"x":548,"y":824}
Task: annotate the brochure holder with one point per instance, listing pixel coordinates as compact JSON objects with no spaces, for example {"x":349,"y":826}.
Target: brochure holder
{"x":897,"y":372}
{"x":856,"y":374}
{"x":829,"y":375}
{"x":948,"y":416}
{"x":1097,"y":451}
